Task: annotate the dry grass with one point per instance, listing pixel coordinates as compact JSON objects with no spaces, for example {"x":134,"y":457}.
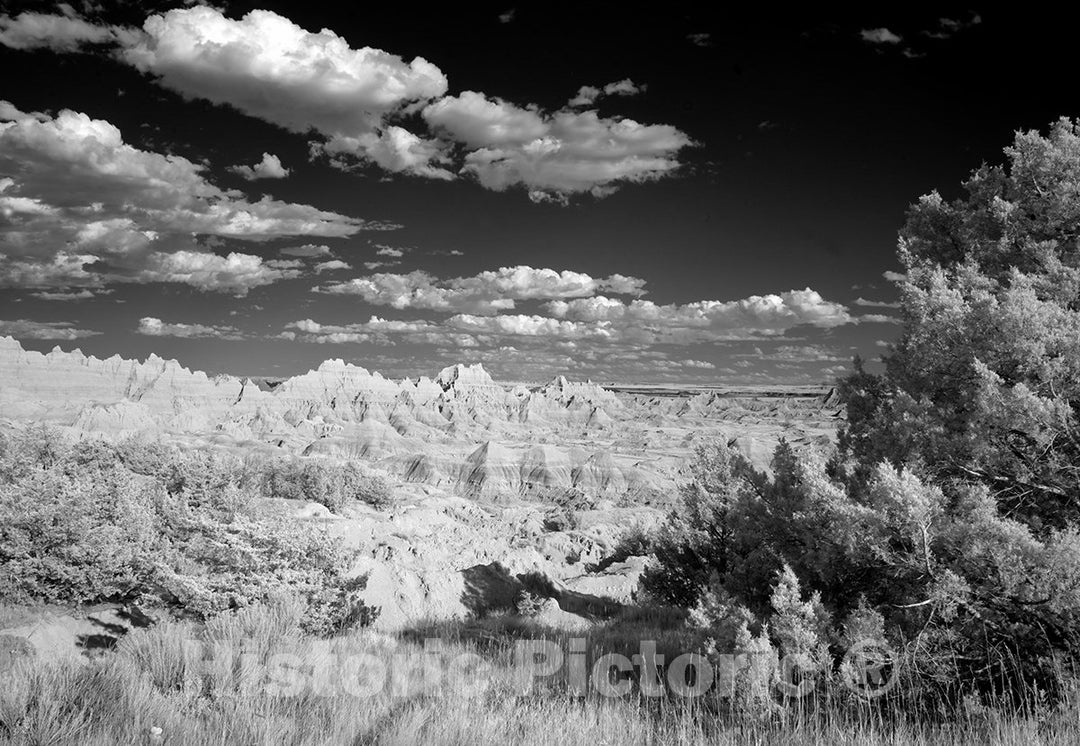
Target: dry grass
{"x":152,"y":691}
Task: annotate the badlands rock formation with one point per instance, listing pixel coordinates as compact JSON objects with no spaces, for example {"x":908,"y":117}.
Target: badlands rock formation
{"x":483,"y":470}
{"x":460,"y":431}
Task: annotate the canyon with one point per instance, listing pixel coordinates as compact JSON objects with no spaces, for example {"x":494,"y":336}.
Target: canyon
{"x":483,"y":473}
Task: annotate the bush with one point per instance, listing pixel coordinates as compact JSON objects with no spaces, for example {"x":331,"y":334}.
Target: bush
{"x":951,"y":512}
{"x":79,"y":537}
{"x":327,"y":482}
{"x":78,"y":526}
{"x":562,"y":519}
{"x":372,"y":489}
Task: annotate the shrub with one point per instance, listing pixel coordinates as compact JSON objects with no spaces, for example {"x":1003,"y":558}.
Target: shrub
{"x":324,"y":481}
{"x":562,"y":519}
{"x":72,"y":535}
{"x":77,"y":526}
{"x":530,"y":604}
{"x":372,"y":489}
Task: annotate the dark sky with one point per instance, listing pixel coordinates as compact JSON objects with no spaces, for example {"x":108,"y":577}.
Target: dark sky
{"x":799,"y":139}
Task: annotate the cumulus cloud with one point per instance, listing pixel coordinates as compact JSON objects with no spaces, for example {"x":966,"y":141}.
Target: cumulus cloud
{"x":948,"y":27}
{"x":587,"y":95}
{"x":64,"y":295}
{"x":710,"y":319}
{"x":61,"y":270}
{"x":700,"y":39}
{"x":307,"y":251}
{"x":880,"y":36}
{"x":612,"y":339}
{"x":875,"y":303}
{"x":374,"y":329}
{"x":394,"y":149}
{"x":391,"y":251}
{"x":804,"y":353}
{"x":600,"y":322}
{"x":528,"y":326}
{"x":236,"y":273}
{"x":268,"y":67}
{"x":485,"y":293}
{"x":285,"y":263}
{"x":154,"y":327}
{"x":507,"y":16}
{"x":333,"y":264}
{"x":60,"y":33}
{"x":81,"y":207}
{"x":26,"y":329}
{"x":268,"y":168}
{"x":564,"y":152}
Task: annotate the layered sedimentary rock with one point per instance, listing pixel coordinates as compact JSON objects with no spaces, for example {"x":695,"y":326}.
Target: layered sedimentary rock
{"x":459,"y":430}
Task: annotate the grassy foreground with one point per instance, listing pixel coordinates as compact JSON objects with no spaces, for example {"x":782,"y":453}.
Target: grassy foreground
{"x":154,"y":690}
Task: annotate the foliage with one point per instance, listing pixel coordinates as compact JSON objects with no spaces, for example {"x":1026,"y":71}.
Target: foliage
{"x":330,"y":483}
{"x":181,"y":683}
{"x":947,"y":523}
{"x":983,"y":384}
{"x":79,"y":525}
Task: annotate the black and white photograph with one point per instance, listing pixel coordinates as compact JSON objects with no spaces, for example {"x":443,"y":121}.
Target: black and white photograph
{"x":538,"y":373}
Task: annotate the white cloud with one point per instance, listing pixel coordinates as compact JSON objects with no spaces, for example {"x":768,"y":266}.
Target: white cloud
{"x":285,"y":263}
{"x":880,"y":36}
{"x":67,"y":295}
{"x":309,"y":251}
{"x":706,"y":320}
{"x":60,"y":33}
{"x":26,"y":329}
{"x":947,"y":27}
{"x":394,"y":149}
{"x":155,"y":327}
{"x":892,"y":276}
{"x":333,"y":264}
{"x":391,"y":251}
{"x":268,"y":168}
{"x":804,"y":354}
{"x":374,"y":328}
{"x":61,"y":270}
{"x":564,"y":152}
{"x":267,"y":66}
{"x":236,"y":273}
{"x":528,"y":326}
{"x":82,"y":207}
{"x":588,"y":95}
{"x":507,"y":16}
{"x":700,"y":39}
{"x":611,"y":324}
{"x":877,"y":318}
{"x":485,"y":293}
{"x":875,"y":303}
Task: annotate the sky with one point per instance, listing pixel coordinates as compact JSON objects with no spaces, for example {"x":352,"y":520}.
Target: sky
{"x":683,"y":196}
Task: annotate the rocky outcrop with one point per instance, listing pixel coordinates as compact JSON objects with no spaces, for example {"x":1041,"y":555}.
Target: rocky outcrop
{"x":460,"y":429}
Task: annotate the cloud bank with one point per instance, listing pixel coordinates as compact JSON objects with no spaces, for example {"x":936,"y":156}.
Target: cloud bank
{"x":485,"y":293}
{"x":361,"y":102}
{"x":83,"y":208}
